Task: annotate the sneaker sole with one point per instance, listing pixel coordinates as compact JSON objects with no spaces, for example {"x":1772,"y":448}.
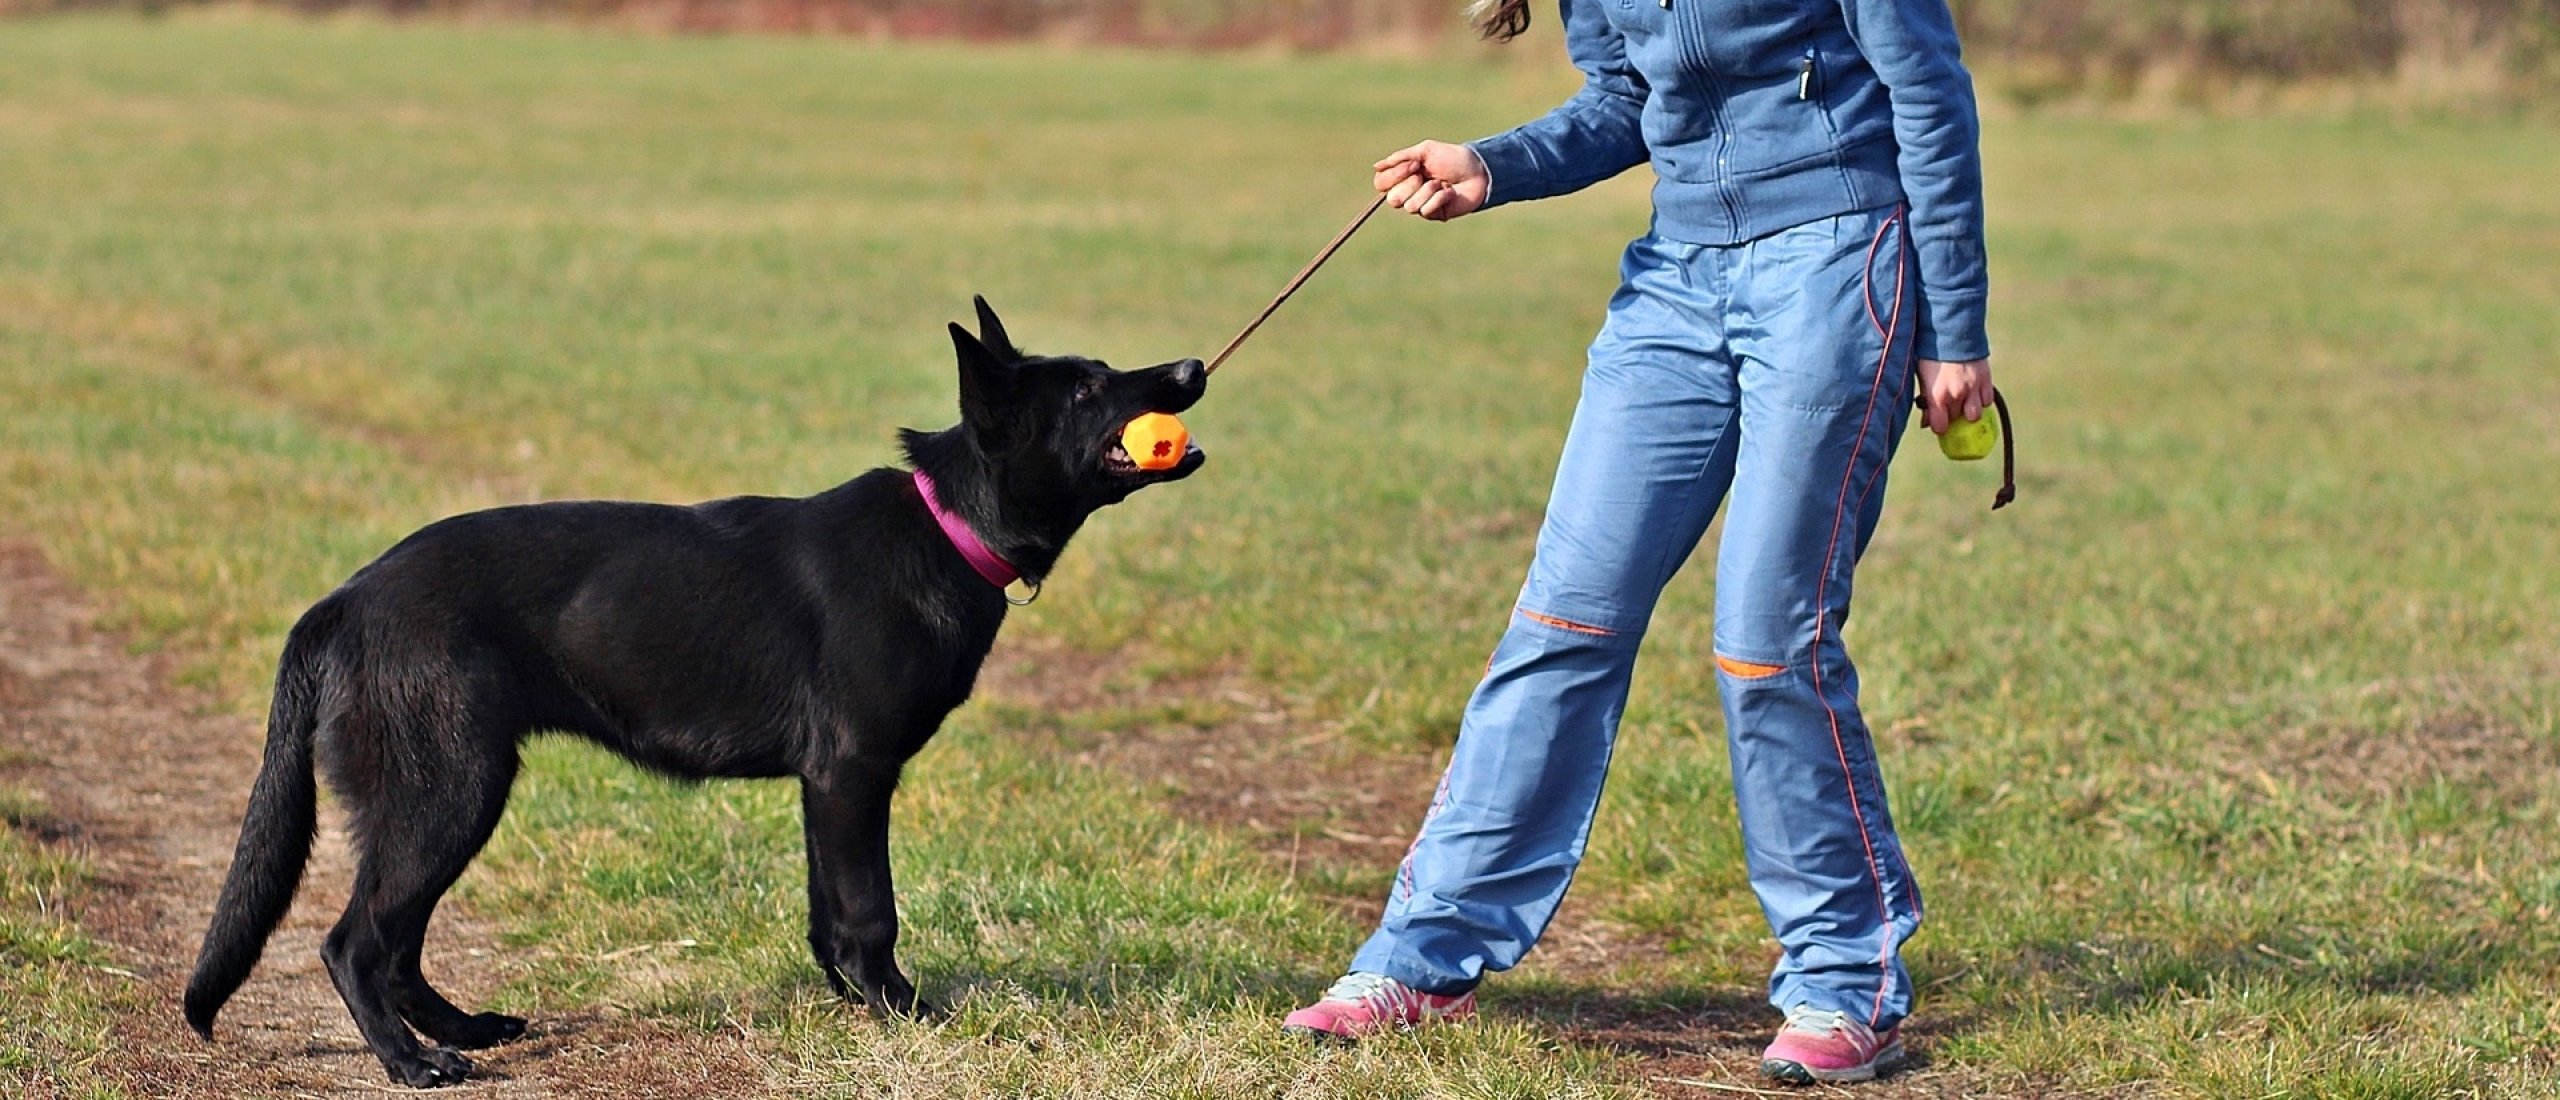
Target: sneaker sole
{"x":1323,"y":1037}
{"x":1320,"y":1035}
{"x":1797,"y":1073}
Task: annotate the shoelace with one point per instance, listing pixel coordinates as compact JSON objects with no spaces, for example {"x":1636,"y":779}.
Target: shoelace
{"x":1817,"y":1021}
{"x":1382,"y":993}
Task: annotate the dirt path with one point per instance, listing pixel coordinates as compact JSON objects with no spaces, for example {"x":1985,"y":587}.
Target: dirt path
{"x":146,"y":781}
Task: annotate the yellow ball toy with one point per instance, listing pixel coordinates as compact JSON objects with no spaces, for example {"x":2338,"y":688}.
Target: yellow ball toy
{"x":1971,"y":440}
{"x":1155,"y":441}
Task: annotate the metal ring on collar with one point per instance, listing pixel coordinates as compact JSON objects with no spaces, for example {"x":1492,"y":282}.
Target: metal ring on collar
{"x":1026,"y":600}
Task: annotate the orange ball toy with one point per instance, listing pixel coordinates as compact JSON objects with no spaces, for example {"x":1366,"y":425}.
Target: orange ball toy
{"x":1155,"y":441}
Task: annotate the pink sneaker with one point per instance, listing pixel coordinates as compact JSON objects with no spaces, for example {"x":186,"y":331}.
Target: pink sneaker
{"x":1364,"y":1004}
{"x":1819,"y":1045}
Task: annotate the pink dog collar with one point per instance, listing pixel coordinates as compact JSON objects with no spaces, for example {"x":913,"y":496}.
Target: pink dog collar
{"x":994,"y":568}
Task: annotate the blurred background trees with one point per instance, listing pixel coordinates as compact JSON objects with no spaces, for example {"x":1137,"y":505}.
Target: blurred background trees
{"x":2037,"y":45}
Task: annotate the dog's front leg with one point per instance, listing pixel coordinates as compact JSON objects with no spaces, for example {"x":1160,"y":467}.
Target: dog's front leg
{"x":853,"y":911}
{"x":822,"y":904}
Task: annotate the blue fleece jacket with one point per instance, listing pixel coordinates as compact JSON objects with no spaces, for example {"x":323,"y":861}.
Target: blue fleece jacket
{"x":1761,"y":115}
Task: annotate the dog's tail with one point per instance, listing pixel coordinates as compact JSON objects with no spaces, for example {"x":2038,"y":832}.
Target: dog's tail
{"x":275,"y":838}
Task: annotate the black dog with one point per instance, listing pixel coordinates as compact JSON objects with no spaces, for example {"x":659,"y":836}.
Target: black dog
{"x":824,"y":638}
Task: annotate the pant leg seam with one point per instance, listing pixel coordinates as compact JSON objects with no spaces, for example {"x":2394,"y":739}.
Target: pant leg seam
{"x":1822,"y":615}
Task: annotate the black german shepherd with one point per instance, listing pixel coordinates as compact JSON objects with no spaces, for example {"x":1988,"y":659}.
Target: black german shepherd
{"x":824,"y":638}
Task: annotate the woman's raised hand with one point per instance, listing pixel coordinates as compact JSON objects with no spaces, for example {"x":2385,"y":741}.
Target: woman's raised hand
{"x":1435,"y":180}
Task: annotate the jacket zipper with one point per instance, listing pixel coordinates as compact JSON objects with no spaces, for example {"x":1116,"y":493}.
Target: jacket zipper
{"x":1804,"y":77}
{"x":1695,"y":52}
{"x":1696,"y":49}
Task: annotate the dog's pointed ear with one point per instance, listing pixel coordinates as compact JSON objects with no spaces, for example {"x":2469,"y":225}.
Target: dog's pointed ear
{"x":986,"y":379}
{"x":991,"y":331}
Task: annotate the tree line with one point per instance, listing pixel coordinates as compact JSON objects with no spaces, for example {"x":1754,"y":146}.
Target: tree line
{"x":2074,"y":42}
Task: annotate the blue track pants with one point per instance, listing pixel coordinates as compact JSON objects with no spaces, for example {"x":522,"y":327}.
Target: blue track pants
{"x":1771,"y":378}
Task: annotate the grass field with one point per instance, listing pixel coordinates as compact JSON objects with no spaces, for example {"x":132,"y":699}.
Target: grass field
{"x":2229,"y":757}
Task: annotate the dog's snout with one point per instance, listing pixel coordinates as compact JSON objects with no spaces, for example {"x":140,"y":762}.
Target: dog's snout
{"x":1184,"y":382}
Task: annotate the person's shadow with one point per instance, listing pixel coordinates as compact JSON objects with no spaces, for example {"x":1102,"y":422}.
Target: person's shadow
{"x":1689,"y":1039}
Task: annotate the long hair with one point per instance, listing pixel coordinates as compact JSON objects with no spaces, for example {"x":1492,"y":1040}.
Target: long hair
{"x":1499,"y":20}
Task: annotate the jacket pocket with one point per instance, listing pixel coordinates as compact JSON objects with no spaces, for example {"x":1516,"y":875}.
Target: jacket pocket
{"x":1813,"y":89}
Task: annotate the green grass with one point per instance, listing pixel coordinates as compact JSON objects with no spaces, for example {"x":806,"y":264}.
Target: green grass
{"x":61,"y":994}
{"x":2225,"y":757}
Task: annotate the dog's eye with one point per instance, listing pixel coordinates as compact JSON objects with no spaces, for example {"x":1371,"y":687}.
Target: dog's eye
{"x":1088,"y":389}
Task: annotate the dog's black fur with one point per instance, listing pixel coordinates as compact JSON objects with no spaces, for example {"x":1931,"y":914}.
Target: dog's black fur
{"x":823,"y":638}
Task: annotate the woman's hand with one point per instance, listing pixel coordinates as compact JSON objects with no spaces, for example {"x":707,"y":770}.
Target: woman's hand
{"x":1435,"y":180}
{"x":1952,"y":391}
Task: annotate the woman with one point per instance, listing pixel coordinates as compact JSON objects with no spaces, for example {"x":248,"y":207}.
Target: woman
{"x":1816,"y":242}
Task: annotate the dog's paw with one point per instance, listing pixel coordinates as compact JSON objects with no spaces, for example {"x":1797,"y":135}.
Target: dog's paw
{"x":462,"y":1032}
{"x":434,"y":1067}
{"x":897,"y":999}
{"x":485,"y":1030}
{"x":918,"y":1010}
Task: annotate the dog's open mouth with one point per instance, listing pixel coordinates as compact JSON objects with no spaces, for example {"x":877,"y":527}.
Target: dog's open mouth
{"x":1117,"y":463}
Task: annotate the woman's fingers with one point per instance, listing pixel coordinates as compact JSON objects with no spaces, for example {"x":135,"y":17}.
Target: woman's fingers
{"x":1403,"y":192}
{"x":1441,"y":204}
{"x":1430,"y":189}
{"x":1974,"y":380}
{"x":1932,"y":410}
{"x":1953,"y":391}
{"x":1433,"y":180}
{"x":1411,"y":154}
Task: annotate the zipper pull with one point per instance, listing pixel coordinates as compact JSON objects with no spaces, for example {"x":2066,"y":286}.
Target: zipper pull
{"x":1666,"y":5}
{"x":1804,"y":72}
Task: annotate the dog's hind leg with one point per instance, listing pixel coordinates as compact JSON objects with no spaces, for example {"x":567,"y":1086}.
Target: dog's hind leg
{"x":417,"y":824}
{"x":853,"y":911}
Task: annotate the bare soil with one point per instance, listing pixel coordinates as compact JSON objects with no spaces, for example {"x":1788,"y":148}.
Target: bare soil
{"x":145,"y":781}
